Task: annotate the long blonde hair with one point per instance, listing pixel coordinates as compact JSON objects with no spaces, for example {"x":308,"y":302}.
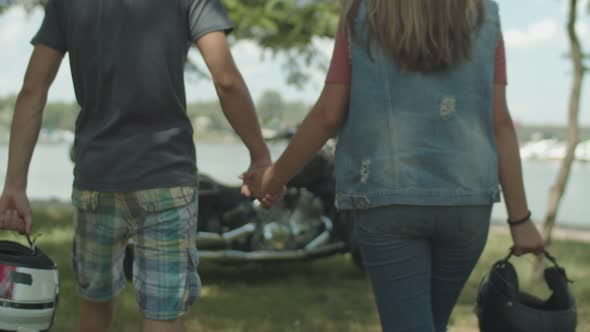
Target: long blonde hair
{"x":420,"y":35}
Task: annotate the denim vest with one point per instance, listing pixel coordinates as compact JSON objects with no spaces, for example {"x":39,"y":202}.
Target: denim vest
{"x":419,"y":139}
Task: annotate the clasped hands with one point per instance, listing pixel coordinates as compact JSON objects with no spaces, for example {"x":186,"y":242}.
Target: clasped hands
{"x":260,"y":182}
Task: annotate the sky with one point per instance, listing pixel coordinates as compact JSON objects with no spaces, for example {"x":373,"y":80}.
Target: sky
{"x":539,"y":75}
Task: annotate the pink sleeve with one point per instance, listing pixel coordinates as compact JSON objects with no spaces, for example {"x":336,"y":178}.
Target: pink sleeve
{"x":340,"y":68}
{"x":500,"y":67}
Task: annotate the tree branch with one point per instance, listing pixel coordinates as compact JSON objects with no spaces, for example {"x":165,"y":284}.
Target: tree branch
{"x":558,"y":189}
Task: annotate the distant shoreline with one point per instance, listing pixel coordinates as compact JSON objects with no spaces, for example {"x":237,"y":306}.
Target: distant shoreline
{"x":560,"y":232}
{"x":569,"y":227}
{"x":526,"y":133}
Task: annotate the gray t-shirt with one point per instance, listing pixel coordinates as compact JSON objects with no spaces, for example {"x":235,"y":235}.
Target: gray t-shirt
{"x":127,"y":60}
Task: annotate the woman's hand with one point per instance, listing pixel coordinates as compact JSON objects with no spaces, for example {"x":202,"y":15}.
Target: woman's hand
{"x":251,"y":178}
{"x":271,"y":191}
{"x":527,"y":239}
{"x":260,"y":183}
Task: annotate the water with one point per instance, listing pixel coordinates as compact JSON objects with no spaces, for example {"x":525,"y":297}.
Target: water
{"x":50,"y":177}
{"x":51,"y":171}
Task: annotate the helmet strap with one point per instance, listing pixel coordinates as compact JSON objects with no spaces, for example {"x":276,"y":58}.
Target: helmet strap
{"x":549,"y":257}
{"x":33,"y":242}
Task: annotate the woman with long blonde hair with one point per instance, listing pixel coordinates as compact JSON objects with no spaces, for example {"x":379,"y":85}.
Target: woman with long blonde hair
{"x":416,"y":95}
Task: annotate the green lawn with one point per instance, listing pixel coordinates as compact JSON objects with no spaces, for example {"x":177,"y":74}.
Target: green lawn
{"x":326,"y":295}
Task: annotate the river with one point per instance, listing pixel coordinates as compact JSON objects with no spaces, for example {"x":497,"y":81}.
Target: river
{"x":50,"y":177}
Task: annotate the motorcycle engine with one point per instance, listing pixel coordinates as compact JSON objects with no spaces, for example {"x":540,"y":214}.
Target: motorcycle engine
{"x":290,"y":225}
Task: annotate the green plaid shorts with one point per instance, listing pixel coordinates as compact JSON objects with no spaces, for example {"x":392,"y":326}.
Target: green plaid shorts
{"x":162,"y":224}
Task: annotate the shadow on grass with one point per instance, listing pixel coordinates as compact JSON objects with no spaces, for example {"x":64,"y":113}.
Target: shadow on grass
{"x":324,"y":295}
{"x":322,"y":272}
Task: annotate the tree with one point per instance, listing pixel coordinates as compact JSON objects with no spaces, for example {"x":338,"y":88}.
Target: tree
{"x":270,"y":107}
{"x":577,"y":57}
{"x":6,"y":109}
{"x":285,"y":27}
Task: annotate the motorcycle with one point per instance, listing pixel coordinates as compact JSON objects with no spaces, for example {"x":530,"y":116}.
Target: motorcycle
{"x":304,"y":226}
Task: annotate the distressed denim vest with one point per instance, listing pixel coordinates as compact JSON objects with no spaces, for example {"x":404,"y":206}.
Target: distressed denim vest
{"x":419,"y":139}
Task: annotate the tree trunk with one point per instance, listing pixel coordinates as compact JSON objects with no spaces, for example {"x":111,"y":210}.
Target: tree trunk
{"x":558,"y":188}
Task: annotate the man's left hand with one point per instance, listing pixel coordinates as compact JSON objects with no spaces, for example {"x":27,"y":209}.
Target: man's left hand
{"x":15,"y":211}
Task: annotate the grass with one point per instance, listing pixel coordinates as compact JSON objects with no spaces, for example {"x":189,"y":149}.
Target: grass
{"x":325,"y":295}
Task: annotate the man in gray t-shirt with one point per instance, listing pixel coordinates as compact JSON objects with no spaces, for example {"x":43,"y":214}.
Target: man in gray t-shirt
{"x":135,"y":172}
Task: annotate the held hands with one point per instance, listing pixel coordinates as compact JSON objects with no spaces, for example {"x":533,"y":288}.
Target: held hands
{"x":15,"y":211}
{"x":260,"y":183}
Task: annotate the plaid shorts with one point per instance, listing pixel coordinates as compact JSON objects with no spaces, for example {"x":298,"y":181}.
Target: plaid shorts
{"x":162,"y":223}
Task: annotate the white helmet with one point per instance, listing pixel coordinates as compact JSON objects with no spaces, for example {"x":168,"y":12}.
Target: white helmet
{"x":29,"y":288}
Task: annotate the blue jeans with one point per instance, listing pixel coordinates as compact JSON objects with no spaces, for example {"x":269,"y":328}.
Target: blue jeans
{"x":418,"y":259}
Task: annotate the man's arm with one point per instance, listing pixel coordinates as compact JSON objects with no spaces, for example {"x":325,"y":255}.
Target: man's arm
{"x":26,"y":124}
{"x":234,"y":96}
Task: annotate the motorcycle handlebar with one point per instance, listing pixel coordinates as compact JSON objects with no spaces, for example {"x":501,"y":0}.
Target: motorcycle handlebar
{"x":286,"y":134}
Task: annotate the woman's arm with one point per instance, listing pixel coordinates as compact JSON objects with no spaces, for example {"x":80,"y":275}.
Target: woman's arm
{"x":509,"y":157}
{"x":525,"y":236}
{"x":321,"y":124}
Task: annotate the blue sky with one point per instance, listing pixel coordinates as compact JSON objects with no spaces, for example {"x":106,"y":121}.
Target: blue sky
{"x":539,"y":75}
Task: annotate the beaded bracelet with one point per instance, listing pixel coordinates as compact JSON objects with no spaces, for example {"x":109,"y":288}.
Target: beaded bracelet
{"x":520,"y":221}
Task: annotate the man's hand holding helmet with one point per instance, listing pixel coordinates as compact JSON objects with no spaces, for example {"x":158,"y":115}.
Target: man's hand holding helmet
{"x":15,"y":211}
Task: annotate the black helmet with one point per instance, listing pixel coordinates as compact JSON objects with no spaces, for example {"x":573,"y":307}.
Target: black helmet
{"x":501,"y":307}
{"x":29,"y":288}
